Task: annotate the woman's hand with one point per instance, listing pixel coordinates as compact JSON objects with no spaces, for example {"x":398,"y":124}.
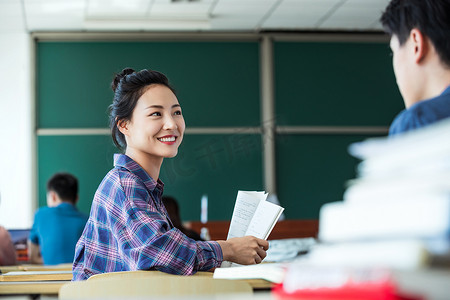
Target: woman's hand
{"x":247,"y":250}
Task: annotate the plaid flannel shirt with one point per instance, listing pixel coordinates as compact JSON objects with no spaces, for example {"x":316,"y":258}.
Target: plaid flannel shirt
{"x":129,"y":229}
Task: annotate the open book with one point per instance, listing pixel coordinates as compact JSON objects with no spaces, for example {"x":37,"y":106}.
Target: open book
{"x":253,"y":215}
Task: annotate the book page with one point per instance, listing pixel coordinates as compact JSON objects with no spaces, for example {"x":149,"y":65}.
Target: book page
{"x":244,"y":209}
{"x":264,"y":219}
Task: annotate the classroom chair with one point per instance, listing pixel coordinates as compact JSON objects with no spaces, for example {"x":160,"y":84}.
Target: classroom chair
{"x":153,"y":285}
{"x":140,"y":274}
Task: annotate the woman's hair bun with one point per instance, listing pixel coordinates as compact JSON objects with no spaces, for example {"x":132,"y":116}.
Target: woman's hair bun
{"x":118,"y":77}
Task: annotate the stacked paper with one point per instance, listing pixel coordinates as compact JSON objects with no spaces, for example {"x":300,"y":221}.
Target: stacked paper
{"x":396,"y":213}
{"x":288,"y":249}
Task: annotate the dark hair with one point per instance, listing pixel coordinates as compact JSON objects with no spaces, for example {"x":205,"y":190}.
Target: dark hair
{"x":173,"y":210}
{"x":431,"y":17}
{"x":65,"y":185}
{"x":128,"y":87}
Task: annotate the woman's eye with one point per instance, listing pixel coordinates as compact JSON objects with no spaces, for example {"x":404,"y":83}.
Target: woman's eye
{"x":157,"y":114}
{"x":178,"y":113}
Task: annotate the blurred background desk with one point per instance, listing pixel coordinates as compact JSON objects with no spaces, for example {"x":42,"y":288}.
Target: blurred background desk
{"x":218,"y":230}
{"x":34,"y":283}
{"x":49,"y":288}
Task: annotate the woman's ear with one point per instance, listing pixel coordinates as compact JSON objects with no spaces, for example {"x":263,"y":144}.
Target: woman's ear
{"x":122,"y":125}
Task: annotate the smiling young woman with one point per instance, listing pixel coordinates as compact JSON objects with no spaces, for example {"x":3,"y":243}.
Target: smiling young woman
{"x":129,"y":228}
{"x":155,"y":130}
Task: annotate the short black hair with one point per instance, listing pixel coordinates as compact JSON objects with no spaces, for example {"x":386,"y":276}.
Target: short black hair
{"x":431,"y":17}
{"x":65,"y":185}
{"x":128,"y":87}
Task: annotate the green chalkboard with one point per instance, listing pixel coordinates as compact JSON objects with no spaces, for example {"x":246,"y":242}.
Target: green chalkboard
{"x":88,"y":158}
{"x":217,"y":83}
{"x":335,"y":84}
{"x":313,"y":170}
{"x":216,"y":166}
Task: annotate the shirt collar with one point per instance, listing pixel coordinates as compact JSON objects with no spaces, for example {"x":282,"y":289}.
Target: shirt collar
{"x":124,"y":161}
{"x":419,"y":103}
{"x":446,"y":91}
{"x":65,"y":205}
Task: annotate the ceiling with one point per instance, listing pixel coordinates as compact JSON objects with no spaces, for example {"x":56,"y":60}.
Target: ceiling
{"x":190,"y":15}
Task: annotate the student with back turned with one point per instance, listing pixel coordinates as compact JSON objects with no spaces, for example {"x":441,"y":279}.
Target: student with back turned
{"x":129,"y":228}
{"x":420,"y":42}
{"x":57,"y":228}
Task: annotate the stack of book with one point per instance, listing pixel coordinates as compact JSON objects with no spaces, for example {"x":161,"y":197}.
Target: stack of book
{"x":394,"y":222}
{"x":396,"y":213}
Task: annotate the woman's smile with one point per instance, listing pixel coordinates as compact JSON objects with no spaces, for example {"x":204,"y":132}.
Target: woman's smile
{"x":168,"y":139}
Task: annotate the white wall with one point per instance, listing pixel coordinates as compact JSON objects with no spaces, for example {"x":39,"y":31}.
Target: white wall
{"x":16,"y":204}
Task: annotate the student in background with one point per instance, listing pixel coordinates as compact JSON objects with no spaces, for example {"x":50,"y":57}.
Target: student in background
{"x":129,"y":228}
{"x":171,"y":205}
{"x":420,"y":42}
{"x":57,"y":228}
{"x":7,"y":251}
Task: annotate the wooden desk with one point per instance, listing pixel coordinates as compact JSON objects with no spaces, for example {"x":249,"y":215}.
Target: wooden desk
{"x":27,"y":276}
{"x":256,"y":283}
{"x":34,"y":282}
{"x":218,"y":230}
{"x":60,"y":267}
{"x":6,"y":269}
{"x":30,"y":267}
{"x":259,"y":284}
{"x":31,"y":288}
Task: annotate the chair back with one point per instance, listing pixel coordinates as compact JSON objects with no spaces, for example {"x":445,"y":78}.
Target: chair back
{"x":128,"y":287}
{"x":141,"y":274}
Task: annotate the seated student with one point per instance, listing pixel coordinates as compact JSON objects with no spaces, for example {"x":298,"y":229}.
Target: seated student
{"x":7,"y":251}
{"x":129,"y":228}
{"x":420,"y":44}
{"x":57,"y":228}
{"x":173,"y":210}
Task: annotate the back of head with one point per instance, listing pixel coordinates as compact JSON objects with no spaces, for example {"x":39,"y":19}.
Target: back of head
{"x":172,"y":208}
{"x":431,"y":17}
{"x":128,"y":87}
{"x":65,"y":185}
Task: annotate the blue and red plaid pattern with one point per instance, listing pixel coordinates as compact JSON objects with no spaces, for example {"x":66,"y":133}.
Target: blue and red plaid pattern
{"x":129,"y":229}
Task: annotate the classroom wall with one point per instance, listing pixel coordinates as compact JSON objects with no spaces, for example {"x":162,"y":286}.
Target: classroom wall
{"x":16,"y":183}
{"x":217,"y":84}
{"x":328,"y":93}
{"x":19,"y":186}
